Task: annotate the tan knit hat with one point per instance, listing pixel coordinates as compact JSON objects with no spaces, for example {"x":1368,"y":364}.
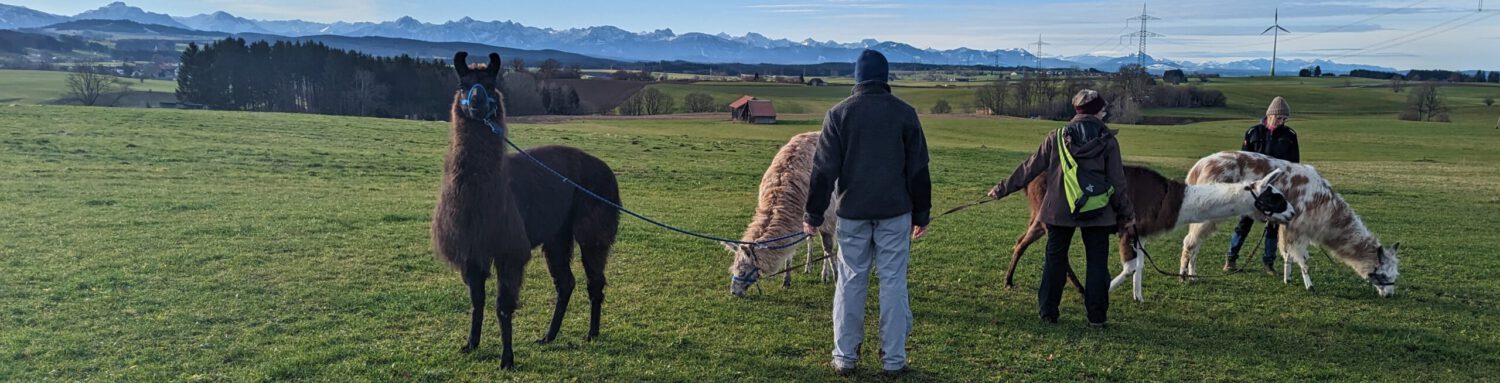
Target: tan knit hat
{"x":1278,"y":108}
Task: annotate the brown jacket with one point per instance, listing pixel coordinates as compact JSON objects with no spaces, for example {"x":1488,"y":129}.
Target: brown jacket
{"x":1093,"y":154}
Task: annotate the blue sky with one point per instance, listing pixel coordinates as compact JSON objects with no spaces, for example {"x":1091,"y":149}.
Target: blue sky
{"x":1446,"y":34}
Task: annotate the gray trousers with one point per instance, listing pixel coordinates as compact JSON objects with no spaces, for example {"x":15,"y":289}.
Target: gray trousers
{"x":887,"y":244}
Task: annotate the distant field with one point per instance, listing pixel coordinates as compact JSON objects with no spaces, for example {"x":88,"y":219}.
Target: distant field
{"x":1248,"y":97}
{"x":203,"y":246}
{"x":35,"y":87}
{"x":791,"y":98}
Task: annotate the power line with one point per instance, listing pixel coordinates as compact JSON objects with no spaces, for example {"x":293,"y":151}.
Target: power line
{"x":1142,"y":34}
{"x":1039,"y":43}
{"x":1409,"y":38}
{"x":1368,"y":19}
{"x":1414,"y":36}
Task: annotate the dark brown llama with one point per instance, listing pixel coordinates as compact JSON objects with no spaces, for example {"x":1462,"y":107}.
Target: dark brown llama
{"x":494,"y":208}
{"x":1162,"y":204}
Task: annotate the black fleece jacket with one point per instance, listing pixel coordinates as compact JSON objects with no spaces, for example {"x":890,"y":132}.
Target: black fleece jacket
{"x":874,"y":152}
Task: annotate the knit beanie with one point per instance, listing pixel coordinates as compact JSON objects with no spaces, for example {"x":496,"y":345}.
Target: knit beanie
{"x":871,"y":67}
{"x":1279,"y":108}
{"x":1088,"y":101}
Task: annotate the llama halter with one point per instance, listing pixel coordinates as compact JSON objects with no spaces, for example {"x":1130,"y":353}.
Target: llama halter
{"x":478,"y":98}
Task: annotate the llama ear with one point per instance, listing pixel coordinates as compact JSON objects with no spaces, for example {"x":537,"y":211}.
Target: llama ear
{"x":1396,"y":247}
{"x":495,"y":64}
{"x":460,"y":63}
{"x":1275,"y":175}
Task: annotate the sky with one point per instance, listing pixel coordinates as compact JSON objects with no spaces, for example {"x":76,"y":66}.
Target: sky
{"x":1405,"y":34}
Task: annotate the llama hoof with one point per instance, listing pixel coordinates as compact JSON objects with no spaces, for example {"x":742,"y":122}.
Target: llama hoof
{"x":468,"y":348}
{"x":543,"y":341}
{"x":1009,"y":285}
{"x":590,"y":337}
{"x":507,"y":362}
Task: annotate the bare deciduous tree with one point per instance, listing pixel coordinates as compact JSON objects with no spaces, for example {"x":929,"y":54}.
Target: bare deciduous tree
{"x":89,"y":84}
{"x":993,"y":97}
{"x":1425,"y":104}
{"x":367,"y":93}
{"x":698,"y":103}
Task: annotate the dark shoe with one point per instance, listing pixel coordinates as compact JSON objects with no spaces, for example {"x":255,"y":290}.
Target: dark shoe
{"x":1100,"y":325}
{"x":1231,"y":266}
{"x":1270,"y":267}
{"x":842,"y":371}
{"x":896,"y":373}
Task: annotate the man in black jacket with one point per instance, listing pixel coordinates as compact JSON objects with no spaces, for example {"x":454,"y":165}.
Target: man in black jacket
{"x":873,"y":155}
{"x":1273,"y":138}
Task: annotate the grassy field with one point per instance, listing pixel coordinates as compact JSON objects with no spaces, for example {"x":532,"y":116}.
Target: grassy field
{"x":168,"y":245}
{"x":30,"y":87}
{"x":1247,"y":97}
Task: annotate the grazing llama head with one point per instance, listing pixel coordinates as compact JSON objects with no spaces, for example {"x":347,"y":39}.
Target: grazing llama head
{"x":745,"y":270}
{"x":1384,"y":276}
{"x":478,"y":96}
{"x":1269,"y":200}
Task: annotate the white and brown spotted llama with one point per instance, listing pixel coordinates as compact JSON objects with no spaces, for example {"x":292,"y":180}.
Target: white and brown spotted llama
{"x":1162,"y":205}
{"x":783,"y":200}
{"x":1323,"y":218}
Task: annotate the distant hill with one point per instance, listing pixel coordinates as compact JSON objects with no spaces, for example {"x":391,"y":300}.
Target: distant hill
{"x":120,"y":11}
{"x":386,"y":46}
{"x":127,"y":27}
{"x":119,"y":30}
{"x":15,"y":17}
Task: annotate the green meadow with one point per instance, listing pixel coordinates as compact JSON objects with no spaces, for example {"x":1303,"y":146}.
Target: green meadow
{"x":203,"y":246}
{"x":29,"y":87}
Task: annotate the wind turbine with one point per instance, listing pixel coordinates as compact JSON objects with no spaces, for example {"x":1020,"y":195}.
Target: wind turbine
{"x":1275,"y":30}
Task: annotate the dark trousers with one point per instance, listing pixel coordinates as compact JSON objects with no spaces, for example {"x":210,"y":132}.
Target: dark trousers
{"x":1242,"y":231}
{"x":1096,"y":280}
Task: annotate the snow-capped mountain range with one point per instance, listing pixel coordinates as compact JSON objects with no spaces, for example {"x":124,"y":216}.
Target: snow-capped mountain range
{"x":663,"y":44}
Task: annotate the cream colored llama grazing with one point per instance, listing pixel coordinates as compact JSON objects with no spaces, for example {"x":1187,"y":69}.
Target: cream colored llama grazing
{"x":783,"y":200}
{"x":1323,"y":219}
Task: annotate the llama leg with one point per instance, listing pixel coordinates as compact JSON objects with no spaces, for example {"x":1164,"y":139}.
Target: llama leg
{"x":1073,"y":277}
{"x":786,"y":278}
{"x":1136,"y":285}
{"x":1286,"y":266}
{"x":595,"y":256}
{"x":1197,"y":234}
{"x":475,"y":278}
{"x":1299,"y":255}
{"x":807,"y":269}
{"x":509,"y":275}
{"x":559,"y":253}
{"x":1033,"y":232}
{"x":1125,"y":257}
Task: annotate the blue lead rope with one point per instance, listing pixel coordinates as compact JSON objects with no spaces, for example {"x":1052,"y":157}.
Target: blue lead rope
{"x":758,"y":244}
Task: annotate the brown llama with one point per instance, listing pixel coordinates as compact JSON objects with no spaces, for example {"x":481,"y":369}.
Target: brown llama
{"x":1161,"y":205}
{"x":494,"y":208}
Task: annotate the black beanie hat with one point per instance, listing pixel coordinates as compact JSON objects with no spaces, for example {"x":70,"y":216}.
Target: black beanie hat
{"x":871,"y":67}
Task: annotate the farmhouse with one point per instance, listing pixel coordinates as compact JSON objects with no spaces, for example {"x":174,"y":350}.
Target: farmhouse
{"x":752,"y":110}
